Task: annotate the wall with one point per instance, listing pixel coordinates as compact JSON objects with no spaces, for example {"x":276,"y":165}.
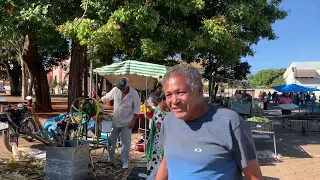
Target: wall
{"x":254,"y":91}
{"x":309,"y":82}
{"x":60,"y":74}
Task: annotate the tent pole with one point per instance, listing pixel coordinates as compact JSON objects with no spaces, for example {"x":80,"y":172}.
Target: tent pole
{"x":145,"y":116}
{"x":91,"y":71}
{"x":97,"y":85}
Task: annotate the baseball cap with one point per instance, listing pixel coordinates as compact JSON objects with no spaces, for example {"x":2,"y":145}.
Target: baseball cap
{"x":123,"y":82}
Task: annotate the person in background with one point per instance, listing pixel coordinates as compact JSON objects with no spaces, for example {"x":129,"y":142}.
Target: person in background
{"x":313,"y":98}
{"x":125,"y":109}
{"x":302,"y":98}
{"x":154,"y":150}
{"x":297,"y":99}
{"x":202,"y":141}
{"x":244,"y":95}
{"x":308,"y":98}
{"x":237,"y":95}
{"x":152,"y":102}
{"x":275,"y":97}
{"x":269,"y":96}
{"x":265,"y":102}
{"x":94,"y":93}
{"x":285,"y":99}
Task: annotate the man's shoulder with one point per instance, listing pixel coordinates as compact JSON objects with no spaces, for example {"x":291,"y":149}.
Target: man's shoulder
{"x":221,"y":112}
{"x":134,"y":91}
{"x":170,"y":118}
{"x":224,"y":115}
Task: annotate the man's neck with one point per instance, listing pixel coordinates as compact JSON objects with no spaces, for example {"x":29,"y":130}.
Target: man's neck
{"x":127,"y":91}
{"x":203,"y":109}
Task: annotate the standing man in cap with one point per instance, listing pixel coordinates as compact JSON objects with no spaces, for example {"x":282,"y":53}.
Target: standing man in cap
{"x":125,"y":109}
{"x":201,"y":141}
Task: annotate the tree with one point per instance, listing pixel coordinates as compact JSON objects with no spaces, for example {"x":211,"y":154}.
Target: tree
{"x":228,"y":36}
{"x":267,"y":78}
{"x":54,"y":83}
{"x":62,"y":84}
{"x":74,"y":28}
{"x":223,"y":30}
{"x":30,"y":28}
{"x":219,"y":32}
{"x":12,"y":66}
{"x":233,"y":74}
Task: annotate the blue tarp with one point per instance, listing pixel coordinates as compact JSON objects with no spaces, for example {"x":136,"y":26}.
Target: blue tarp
{"x":293,"y":88}
{"x":52,"y":124}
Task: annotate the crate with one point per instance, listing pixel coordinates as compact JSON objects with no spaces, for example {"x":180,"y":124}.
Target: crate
{"x":264,"y":130}
{"x":67,"y":163}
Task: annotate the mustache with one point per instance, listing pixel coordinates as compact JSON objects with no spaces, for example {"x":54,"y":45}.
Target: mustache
{"x":176,"y":105}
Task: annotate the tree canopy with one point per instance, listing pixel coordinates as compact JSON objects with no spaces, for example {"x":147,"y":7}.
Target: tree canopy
{"x":216,"y":32}
{"x":30,"y":28}
{"x":196,"y":29}
{"x":268,"y":78}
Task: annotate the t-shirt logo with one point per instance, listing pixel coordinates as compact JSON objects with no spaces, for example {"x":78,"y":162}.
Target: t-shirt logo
{"x":198,"y":150}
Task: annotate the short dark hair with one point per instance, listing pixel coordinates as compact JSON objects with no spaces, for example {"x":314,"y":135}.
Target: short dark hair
{"x":162,"y":97}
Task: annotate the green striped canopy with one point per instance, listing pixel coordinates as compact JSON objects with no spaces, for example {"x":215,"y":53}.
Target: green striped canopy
{"x":137,"y":72}
{"x":132,"y":67}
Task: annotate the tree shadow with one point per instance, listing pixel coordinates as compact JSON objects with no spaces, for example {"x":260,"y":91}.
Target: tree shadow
{"x":41,"y":147}
{"x":289,"y":145}
{"x":269,"y":162}
{"x":292,"y":144}
{"x":264,"y":177}
{"x":270,"y":178}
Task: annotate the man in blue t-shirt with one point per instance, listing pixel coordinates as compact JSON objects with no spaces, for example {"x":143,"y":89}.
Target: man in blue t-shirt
{"x":201,"y":141}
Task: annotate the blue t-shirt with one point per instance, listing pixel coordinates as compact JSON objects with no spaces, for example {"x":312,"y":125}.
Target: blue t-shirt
{"x":213,"y":147}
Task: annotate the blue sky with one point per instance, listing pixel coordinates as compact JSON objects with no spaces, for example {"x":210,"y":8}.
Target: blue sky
{"x":299,"y":38}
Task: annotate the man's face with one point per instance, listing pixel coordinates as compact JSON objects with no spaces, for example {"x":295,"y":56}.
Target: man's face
{"x":179,"y":97}
{"x":159,"y":89}
{"x":125,"y":89}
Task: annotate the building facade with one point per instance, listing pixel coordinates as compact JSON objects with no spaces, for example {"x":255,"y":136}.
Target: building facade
{"x":304,"y":74}
{"x":59,"y":74}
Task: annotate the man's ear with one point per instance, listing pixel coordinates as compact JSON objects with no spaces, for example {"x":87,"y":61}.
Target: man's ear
{"x":200,"y":91}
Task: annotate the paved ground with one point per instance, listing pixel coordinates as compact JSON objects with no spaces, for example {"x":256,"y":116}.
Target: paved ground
{"x":300,"y":155}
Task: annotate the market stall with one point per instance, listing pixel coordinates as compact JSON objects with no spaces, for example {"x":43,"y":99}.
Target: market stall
{"x":293,"y":88}
{"x":142,"y":76}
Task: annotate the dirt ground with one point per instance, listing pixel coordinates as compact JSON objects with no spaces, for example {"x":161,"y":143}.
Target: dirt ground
{"x":58,"y":109}
{"x":300,"y":154}
{"x":102,"y":169}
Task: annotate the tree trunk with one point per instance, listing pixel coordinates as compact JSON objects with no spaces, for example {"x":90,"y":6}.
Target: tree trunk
{"x":109,"y":60}
{"x":77,"y":64}
{"x":108,"y":86}
{"x":14,"y":75}
{"x":101,"y":86}
{"x":38,"y":73}
{"x":30,"y":88}
{"x":24,"y":80}
{"x":14,"y":80}
{"x":85,"y":77}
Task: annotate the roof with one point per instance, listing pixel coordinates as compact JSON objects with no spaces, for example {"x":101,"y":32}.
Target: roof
{"x":315,"y":65}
